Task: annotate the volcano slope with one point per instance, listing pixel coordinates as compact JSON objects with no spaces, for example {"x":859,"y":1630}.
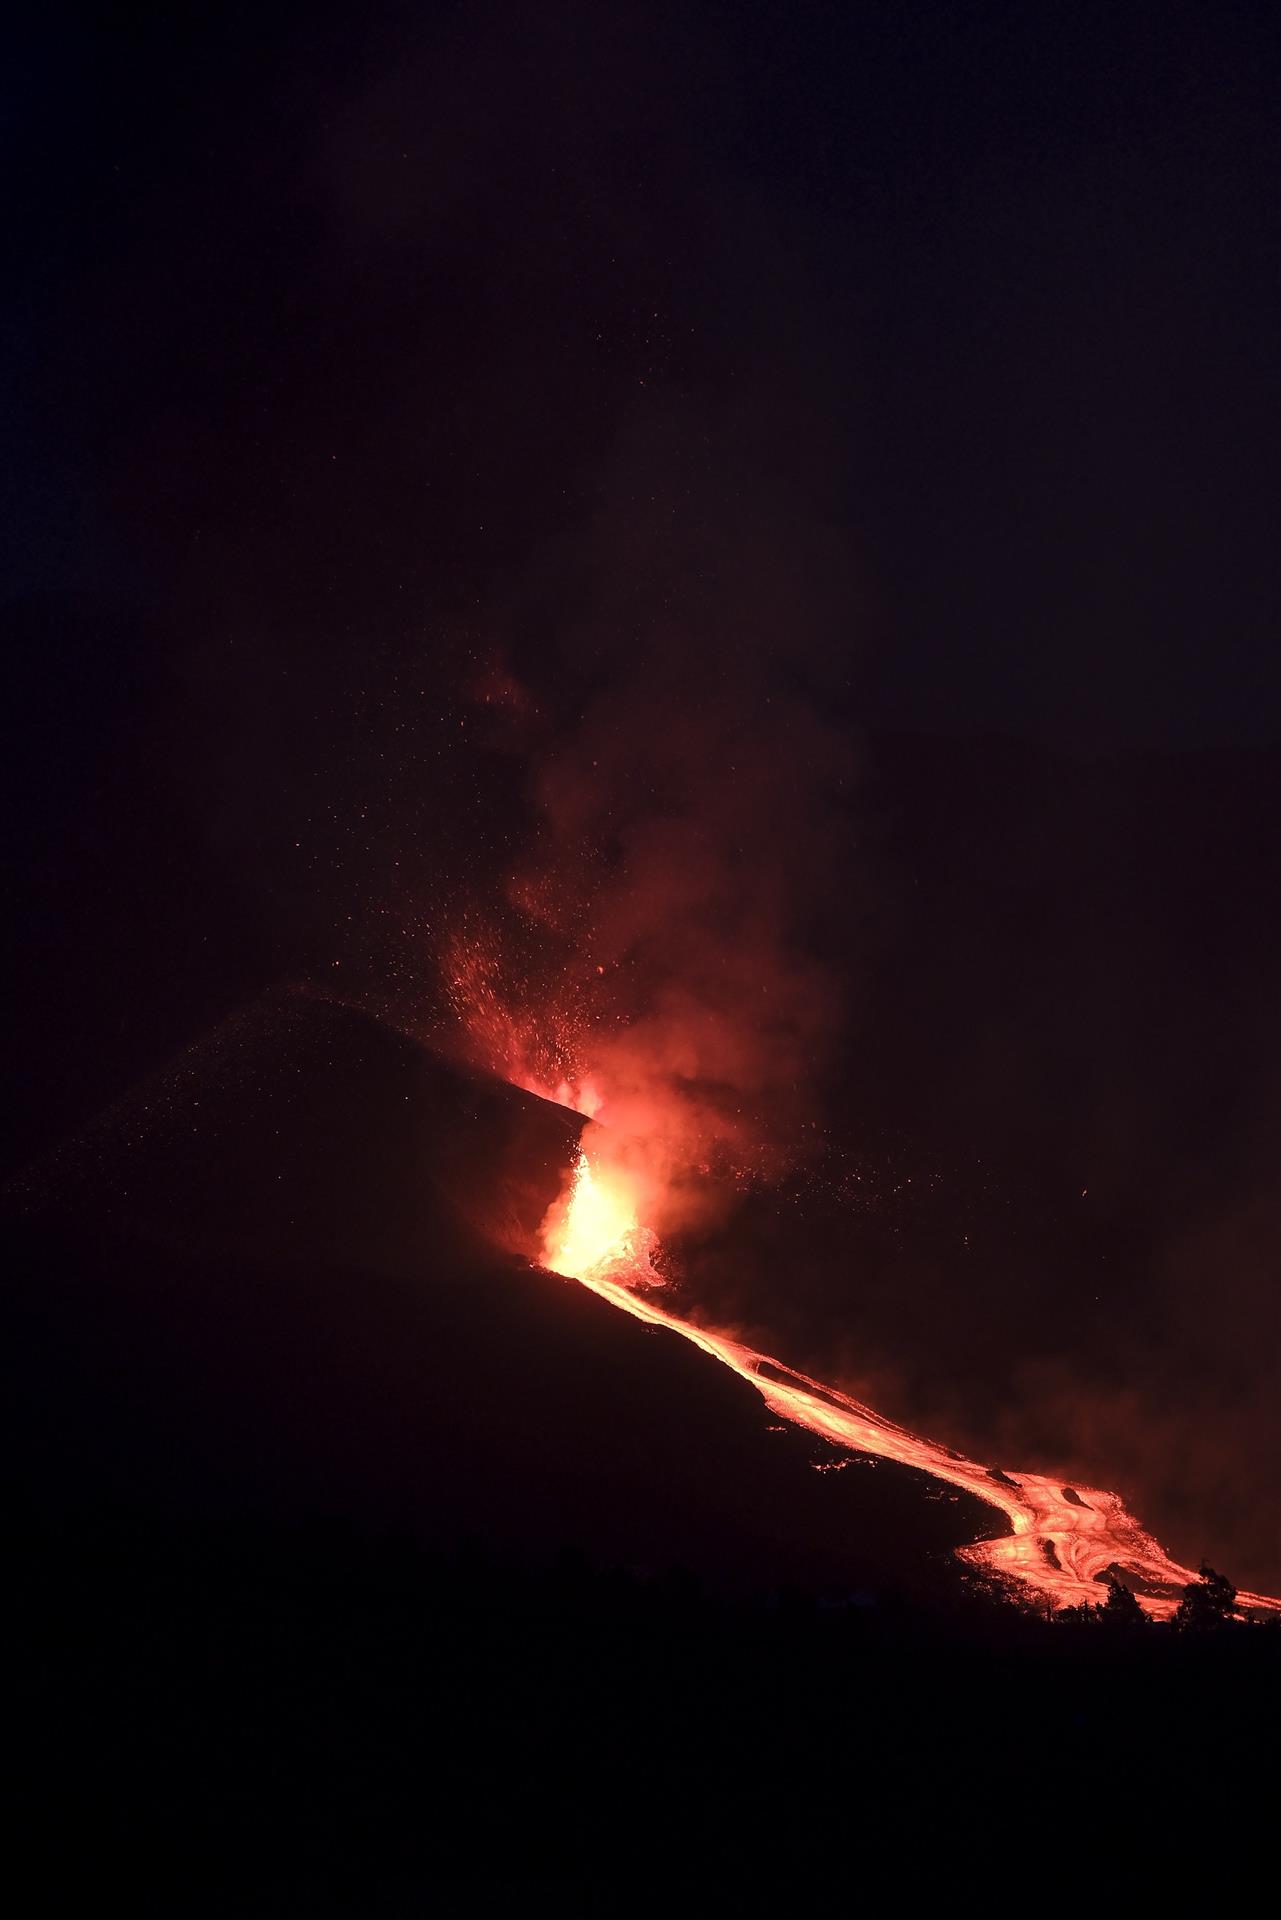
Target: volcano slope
{"x":299,"y":1261}
{"x":353,"y":1543}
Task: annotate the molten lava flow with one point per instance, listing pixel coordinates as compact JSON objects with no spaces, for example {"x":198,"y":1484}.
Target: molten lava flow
{"x":724,"y":1016}
{"x":1063,"y":1541}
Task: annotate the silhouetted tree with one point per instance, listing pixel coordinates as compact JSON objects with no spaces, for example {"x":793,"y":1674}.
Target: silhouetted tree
{"x":1208,"y":1601}
{"x":1084,"y":1615}
{"x":1121,"y":1609}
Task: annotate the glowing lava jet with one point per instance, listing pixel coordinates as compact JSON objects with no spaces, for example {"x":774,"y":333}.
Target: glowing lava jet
{"x":596,"y":1227}
{"x":1062,"y":1540}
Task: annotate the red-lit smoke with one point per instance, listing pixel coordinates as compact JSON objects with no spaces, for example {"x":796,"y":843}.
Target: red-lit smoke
{"x":653,"y":962}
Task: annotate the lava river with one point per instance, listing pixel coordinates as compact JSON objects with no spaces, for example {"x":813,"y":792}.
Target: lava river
{"x":1062,"y":1540}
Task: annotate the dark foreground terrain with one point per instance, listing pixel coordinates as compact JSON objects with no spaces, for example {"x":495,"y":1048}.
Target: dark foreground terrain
{"x":235,"y":1715}
{"x":353,"y":1555}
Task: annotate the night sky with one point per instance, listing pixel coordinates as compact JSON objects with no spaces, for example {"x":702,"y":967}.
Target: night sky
{"x":401,"y":402}
{"x":331,"y":331}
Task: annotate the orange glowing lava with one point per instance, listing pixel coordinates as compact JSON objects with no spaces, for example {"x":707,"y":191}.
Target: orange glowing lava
{"x":1063,"y":1541}
{"x":594,"y":1229}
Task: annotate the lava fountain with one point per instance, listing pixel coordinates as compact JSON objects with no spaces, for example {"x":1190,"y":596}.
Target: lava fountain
{"x":1063,"y":1541}
{"x":595,"y":1228}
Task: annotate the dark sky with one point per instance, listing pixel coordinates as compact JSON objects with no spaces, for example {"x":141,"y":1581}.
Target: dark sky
{"x":331,"y":327}
{"x":914,"y":367}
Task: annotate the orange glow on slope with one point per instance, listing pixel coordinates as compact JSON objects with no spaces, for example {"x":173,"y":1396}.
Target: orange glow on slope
{"x":1062,"y":1540}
